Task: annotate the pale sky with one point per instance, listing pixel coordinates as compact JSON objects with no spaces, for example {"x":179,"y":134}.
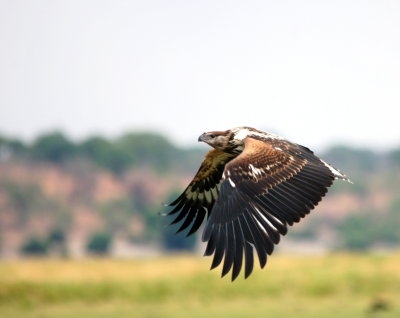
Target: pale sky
{"x":316,"y":72}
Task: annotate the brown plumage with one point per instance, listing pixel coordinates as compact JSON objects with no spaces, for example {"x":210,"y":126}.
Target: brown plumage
{"x":251,"y":186}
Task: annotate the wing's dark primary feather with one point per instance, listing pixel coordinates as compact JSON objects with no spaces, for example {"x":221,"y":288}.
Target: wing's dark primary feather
{"x":197,"y":200}
{"x":270,"y":185}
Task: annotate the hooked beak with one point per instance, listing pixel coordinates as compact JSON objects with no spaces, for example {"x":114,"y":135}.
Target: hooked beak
{"x":203,"y":137}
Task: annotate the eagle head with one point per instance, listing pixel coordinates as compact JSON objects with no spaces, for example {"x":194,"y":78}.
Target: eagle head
{"x":223,"y":140}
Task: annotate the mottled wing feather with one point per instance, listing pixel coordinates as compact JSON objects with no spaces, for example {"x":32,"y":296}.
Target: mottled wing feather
{"x":196,"y":202}
{"x":270,"y":185}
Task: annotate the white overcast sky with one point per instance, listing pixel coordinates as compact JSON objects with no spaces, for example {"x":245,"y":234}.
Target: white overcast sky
{"x":316,"y":72}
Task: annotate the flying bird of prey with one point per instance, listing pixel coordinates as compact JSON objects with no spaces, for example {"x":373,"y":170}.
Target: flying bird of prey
{"x":250,"y":186}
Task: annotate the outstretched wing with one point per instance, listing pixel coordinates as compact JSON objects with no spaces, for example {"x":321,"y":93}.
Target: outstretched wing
{"x":270,"y":185}
{"x":199,"y":197}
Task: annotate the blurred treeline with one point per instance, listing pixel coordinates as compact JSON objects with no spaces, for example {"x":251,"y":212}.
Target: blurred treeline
{"x":115,"y":155}
{"x":103,"y":195}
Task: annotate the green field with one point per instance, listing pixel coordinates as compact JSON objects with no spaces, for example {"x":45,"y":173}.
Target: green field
{"x":181,"y":286}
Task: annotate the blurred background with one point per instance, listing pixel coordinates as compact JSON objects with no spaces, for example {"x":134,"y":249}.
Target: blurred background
{"x":101,"y":106}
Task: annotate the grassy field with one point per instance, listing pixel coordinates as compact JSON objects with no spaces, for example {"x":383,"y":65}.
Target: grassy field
{"x":181,"y":286}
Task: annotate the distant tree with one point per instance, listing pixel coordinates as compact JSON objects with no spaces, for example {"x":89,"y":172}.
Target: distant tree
{"x":95,"y":147}
{"x":147,"y":149}
{"x":190,"y":159}
{"x":56,"y":236}
{"x":105,"y":154}
{"x":99,"y":243}
{"x":355,"y":232}
{"x":393,"y":222}
{"x":57,"y":242}
{"x":17,"y":147}
{"x":358,"y":187}
{"x":11,"y":148}
{"x":53,"y":147}
{"x":368,"y":228}
{"x":350,"y":159}
{"x":394,"y":155}
{"x":35,"y":246}
{"x":177,"y":242}
{"x":139,"y":149}
{"x":131,"y":149}
{"x":395,"y":205}
{"x":305,"y":233}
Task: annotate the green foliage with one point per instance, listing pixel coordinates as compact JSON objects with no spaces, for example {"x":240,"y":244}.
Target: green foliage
{"x":190,"y":159}
{"x":169,"y":238}
{"x":364,"y":230}
{"x":355,"y":232}
{"x":305,"y":233}
{"x":352,"y":160}
{"x":177,"y":242}
{"x":105,"y":153}
{"x":53,"y":147}
{"x":395,"y":206}
{"x":358,"y":188}
{"x":394,"y":155}
{"x":56,"y":236}
{"x":358,"y":164}
{"x":57,"y":242}
{"x":135,"y":149}
{"x":35,"y":246}
{"x":99,"y":243}
{"x":130,"y":150}
{"x":11,"y":148}
{"x":147,"y":149}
